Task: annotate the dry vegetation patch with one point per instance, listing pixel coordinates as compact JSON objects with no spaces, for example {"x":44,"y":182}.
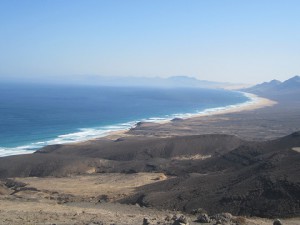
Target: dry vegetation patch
{"x":112,"y":185}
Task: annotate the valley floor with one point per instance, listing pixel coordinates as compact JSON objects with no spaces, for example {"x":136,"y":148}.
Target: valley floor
{"x":89,"y":199}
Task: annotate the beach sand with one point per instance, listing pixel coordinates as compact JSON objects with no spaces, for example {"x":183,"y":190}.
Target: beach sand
{"x":255,"y":103}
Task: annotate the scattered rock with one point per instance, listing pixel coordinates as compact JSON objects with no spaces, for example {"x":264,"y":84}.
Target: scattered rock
{"x":180,"y":220}
{"x":183,"y":219}
{"x":277,"y":222}
{"x":175,"y":216}
{"x":146,"y":221}
{"x":222,"y":217}
{"x":203,"y":218}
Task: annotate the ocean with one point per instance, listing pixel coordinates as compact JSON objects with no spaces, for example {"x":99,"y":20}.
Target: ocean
{"x":35,"y":115}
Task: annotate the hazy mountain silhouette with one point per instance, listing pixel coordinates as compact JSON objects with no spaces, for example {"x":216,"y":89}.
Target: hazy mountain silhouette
{"x":122,"y":81}
{"x":292,"y":83}
{"x":174,"y":81}
{"x":287,"y":90}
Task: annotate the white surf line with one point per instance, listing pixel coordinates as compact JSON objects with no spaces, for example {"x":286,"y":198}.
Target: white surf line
{"x":87,"y":134}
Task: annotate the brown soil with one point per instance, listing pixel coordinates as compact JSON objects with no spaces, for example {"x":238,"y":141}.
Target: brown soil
{"x":88,"y":199}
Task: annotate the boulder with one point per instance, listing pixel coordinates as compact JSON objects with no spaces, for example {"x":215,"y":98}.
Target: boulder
{"x":203,"y":218}
{"x":183,"y":219}
{"x":180,"y":220}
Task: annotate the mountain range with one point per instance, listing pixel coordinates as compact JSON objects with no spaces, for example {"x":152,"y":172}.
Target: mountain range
{"x":277,"y":89}
{"x":121,"y":81}
{"x":173,"y":81}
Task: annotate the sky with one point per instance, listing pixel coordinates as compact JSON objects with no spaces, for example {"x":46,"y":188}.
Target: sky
{"x":239,"y":41}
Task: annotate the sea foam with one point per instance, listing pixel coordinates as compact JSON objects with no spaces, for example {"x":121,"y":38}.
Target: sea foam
{"x":85,"y":134}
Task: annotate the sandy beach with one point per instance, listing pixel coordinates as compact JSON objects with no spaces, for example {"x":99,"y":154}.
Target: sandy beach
{"x":254,"y":103}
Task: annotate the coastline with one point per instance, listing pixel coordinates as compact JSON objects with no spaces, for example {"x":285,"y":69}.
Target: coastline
{"x":120,"y":130}
{"x":255,"y":102}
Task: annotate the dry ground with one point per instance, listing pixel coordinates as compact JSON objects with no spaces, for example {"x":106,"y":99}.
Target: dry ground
{"x":75,"y":200}
{"x":88,"y":199}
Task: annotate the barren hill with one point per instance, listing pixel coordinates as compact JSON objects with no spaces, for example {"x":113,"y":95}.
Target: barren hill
{"x":215,"y":172}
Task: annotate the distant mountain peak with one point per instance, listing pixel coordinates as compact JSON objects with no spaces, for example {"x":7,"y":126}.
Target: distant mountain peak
{"x":183,"y":80}
{"x":274,"y":81}
{"x":182,"y":77}
{"x":290,"y":87}
{"x":294,"y":79}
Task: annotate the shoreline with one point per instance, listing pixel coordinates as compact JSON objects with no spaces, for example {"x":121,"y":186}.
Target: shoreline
{"x":254,"y":102}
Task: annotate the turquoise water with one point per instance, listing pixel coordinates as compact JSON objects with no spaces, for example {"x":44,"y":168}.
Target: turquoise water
{"x":32,"y":116}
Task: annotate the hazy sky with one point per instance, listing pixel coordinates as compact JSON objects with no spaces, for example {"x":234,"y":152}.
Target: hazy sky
{"x":221,"y":40}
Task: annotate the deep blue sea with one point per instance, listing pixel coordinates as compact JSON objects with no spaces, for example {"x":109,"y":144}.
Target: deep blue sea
{"x":32,"y":116}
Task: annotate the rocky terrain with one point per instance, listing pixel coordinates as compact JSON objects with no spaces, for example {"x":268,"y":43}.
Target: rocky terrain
{"x":218,"y":173}
{"x":92,"y":199}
